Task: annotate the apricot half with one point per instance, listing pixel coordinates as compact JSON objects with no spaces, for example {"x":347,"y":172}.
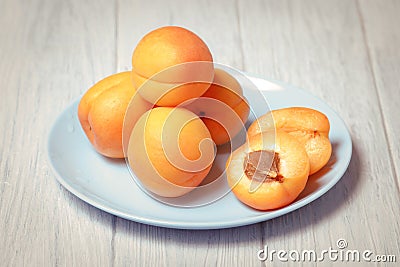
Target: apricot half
{"x":223,"y":108}
{"x":309,"y":126}
{"x":173,"y":64}
{"x":102,"y":109}
{"x":170,"y":151}
{"x":269,"y":171}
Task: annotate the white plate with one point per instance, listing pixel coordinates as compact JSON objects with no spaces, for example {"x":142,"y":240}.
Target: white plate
{"x":107,"y":184}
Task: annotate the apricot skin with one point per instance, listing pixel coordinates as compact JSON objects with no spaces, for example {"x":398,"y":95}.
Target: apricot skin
{"x":293,"y":168}
{"x":164,"y":64}
{"x":309,"y":126}
{"x":102,"y":109}
{"x":228,"y":110}
{"x":168,"y":46}
{"x":163,"y":169}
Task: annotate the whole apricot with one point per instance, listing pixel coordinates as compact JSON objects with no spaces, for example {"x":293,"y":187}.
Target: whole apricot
{"x":309,"y":126}
{"x":173,"y":65}
{"x":269,"y":171}
{"x":170,"y":151}
{"x":223,"y":108}
{"x":102,"y":109}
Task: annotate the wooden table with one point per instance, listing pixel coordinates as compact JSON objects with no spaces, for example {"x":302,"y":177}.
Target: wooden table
{"x":345,"y":52}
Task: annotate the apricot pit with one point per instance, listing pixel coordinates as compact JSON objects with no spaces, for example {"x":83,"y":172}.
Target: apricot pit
{"x":269,"y":171}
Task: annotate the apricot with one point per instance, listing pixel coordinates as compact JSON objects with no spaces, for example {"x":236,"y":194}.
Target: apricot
{"x":173,"y":64}
{"x":309,"y":126}
{"x":102,"y":109}
{"x":223,"y":108}
{"x":269,"y":171}
{"x":170,"y":151}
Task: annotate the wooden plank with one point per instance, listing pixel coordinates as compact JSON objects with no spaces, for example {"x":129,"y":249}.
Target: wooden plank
{"x":381,"y":20}
{"x":139,"y":244}
{"x":136,"y":244}
{"x":319,"y":45}
{"x":51,"y":52}
{"x":214,"y":21}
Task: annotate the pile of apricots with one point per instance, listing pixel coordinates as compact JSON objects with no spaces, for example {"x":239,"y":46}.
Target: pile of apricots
{"x":174,"y":107}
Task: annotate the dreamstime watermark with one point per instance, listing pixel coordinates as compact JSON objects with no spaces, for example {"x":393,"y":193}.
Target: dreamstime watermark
{"x":339,"y":253}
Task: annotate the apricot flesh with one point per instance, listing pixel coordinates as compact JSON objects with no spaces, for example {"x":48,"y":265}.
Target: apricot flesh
{"x":102,"y":109}
{"x":309,"y":126}
{"x":275,"y":180}
{"x":170,"y":151}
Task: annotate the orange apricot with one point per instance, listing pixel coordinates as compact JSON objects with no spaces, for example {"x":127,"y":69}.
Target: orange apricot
{"x":223,"y":108}
{"x":309,"y":126}
{"x":170,"y":151}
{"x":268,"y":172}
{"x":173,"y":64}
{"x":102,"y":109}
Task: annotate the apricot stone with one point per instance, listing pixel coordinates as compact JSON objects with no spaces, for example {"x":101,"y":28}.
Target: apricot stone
{"x":269,"y":171}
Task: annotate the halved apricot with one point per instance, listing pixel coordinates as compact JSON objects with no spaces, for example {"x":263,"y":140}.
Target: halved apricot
{"x":309,"y":126}
{"x":269,"y":171}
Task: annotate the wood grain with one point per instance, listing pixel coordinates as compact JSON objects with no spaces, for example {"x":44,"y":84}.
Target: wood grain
{"x":49,"y":56}
{"x":383,"y":41}
{"x":319,"y":45}
{"x":214,"y":21}
{"x":345,"y":52}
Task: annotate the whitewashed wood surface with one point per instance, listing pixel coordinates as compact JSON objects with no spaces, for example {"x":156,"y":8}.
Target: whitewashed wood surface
{"x":345,"y":52}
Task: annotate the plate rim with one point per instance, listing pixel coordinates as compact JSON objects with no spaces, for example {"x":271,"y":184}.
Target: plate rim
{"x":241,"y":221}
